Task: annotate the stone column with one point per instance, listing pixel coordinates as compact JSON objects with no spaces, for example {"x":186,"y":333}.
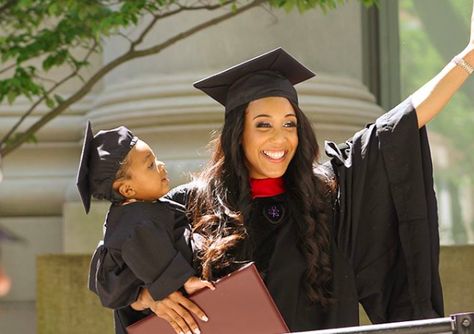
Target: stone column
{"x":154,"y":97}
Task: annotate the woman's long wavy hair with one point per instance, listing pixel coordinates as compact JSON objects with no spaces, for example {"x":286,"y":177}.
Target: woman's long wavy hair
{"x":222,"y":202}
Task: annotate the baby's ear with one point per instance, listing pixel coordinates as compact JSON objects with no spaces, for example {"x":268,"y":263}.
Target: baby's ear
{"x":124,"y":188}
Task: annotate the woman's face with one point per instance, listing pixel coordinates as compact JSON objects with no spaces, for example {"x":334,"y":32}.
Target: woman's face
{"x":270,"y":137}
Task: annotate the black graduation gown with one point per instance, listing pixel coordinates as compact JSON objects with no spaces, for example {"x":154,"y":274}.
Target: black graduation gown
{"x":385,"y":241}
{"x":145,"y":245}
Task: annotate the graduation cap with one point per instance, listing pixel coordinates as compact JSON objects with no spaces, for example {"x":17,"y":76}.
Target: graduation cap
{"x":271,"y":74}
{"x":101,"y":159}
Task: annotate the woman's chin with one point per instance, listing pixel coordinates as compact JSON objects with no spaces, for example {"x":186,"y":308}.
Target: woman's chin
{"x":268,"y":175}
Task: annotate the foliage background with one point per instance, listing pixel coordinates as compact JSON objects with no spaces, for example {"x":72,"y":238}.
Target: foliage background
{"x":421,"y":58}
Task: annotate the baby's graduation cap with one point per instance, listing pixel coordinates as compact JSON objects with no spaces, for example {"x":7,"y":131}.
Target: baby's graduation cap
{"x":101,"y":158}
{"x":271,"y":74}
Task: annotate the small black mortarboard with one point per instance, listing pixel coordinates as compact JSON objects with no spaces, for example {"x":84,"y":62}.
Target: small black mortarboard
{"x":101,"y":159}
{"x":82,"y":180}
{"x":271,"y":74}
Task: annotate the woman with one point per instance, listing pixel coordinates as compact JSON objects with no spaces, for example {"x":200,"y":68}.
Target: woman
{"x":361,"y":228}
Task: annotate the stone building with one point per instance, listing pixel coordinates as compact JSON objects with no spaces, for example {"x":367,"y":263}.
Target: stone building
{"x":351,"y":49}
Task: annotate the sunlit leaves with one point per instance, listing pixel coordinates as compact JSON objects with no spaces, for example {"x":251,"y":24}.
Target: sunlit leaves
{"x":21,"y":83}
{"x":304,"y":5}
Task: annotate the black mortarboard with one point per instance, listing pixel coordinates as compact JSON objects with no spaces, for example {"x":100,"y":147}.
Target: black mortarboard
{"x":101,"y":159}
{"x":272,"y":74}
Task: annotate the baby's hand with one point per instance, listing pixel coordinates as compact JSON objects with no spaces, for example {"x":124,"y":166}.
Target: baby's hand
{"x":143,"y":301}
{"x":194,"y":284}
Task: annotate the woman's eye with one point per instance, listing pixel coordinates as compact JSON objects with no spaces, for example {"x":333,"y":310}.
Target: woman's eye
{"x":152,"y":165}
{"x":290,"y":124}
{"x":263,"y":125}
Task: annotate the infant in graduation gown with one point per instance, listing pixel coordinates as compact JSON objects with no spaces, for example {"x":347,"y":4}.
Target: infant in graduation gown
{"x":147,"y":240}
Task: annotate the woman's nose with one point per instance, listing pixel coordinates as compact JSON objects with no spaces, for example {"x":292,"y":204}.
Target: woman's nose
{"x":278,"y":136}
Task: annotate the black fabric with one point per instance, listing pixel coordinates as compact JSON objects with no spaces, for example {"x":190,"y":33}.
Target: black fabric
{"x":263,"y":231}
{"x":271,"y":74}
{"x":386,"y":196}
{"x":101,"y":159}
{"x":259,"y":85}
{"x":145,"y":245}
{"x":385,"y":239}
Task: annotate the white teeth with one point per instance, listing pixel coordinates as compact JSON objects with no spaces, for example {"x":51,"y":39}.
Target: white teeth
{"x":274,"y":154}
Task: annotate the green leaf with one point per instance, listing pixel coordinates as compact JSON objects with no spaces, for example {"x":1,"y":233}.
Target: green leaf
{"x":59,"y":99}
{"x":11,"y":96}
{"x":50,"y":102}
{"x":32,"y":139}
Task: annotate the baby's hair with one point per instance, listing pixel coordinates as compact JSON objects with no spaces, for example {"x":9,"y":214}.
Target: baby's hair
{"x":122,"y":173}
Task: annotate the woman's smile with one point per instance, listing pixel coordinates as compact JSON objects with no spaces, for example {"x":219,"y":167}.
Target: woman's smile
{"x":274,"y":156}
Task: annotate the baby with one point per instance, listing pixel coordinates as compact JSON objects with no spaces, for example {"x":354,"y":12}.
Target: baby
{"x":147,"y":240}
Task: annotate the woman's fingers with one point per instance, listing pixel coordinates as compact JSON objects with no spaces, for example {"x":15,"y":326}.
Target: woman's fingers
{"x":176,"y":327}
{"x":176,"y":310}
{"x":187,"y":304}
{"x":182,"y":316}
{"x":175,"y":324}
{"x":186,"y":323}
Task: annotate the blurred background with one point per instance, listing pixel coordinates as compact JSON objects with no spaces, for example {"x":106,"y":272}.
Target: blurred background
{"x":367,"y":60}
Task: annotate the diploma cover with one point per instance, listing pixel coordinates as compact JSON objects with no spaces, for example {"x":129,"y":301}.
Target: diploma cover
{"x":240,"y":304}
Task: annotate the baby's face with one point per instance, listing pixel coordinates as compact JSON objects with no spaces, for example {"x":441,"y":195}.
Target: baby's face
{"x":149,"y":177}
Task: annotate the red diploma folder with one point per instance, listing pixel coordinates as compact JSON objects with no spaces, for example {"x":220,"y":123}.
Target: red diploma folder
{"x":240,"y":304}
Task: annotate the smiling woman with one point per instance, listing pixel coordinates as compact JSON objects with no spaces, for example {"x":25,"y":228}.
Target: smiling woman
{"x":361,"y":228}
{"x":269,"y":139}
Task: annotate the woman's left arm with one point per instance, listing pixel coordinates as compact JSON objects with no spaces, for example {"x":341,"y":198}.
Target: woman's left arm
{"x":431,"y":98}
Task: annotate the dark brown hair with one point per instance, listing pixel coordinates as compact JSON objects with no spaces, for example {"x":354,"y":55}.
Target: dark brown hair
{"x":222,"y":201}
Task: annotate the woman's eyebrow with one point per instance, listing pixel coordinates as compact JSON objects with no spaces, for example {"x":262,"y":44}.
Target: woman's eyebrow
{"x":265,"y":115}
{"x":261,"y":115}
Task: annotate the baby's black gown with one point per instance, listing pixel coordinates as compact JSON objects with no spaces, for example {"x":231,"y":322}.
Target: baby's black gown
{"x":146,"y":244}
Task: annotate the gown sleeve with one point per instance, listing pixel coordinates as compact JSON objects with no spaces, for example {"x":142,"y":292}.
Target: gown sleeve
{"x":151,"y":256}
{"x":180,"y":194}
{"x":114,"y":284}
{"x":386,"y":221}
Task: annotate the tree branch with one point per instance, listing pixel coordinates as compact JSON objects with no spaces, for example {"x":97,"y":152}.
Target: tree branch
{"x":144,"y":33}
{"x":158,"y":48}
{"x":5,"y":138}
{"x":209,"y":7}
{"x":121,"y":34}
{"x":3,"y":70}
{"x":129,"y":55}
{"x":39,"y":77}
{"x":157,"y":17}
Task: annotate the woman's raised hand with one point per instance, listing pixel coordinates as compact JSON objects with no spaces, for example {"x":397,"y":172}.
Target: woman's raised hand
{"x":175,"y":309}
